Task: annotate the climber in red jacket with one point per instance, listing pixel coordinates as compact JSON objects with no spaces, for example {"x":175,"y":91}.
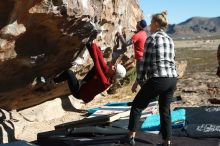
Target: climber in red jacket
{"x":98,"y":79}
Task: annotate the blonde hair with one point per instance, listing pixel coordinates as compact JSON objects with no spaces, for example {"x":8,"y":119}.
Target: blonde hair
{"x":161,"y":19}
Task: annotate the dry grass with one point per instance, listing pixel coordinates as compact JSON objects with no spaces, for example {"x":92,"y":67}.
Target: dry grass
{"x":200,"y":55}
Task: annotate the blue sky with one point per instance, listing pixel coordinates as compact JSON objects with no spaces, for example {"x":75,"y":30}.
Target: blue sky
{"x":180,"y":10}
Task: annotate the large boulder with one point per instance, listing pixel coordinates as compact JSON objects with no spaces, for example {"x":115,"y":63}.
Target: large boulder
{"x":43,"y":38}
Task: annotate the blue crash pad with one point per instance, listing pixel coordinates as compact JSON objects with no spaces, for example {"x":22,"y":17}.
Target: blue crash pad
{"x":152,"y":123}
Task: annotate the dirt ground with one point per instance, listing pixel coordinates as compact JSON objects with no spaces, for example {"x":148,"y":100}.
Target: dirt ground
{"x":196,"y":89}
{"x":75,"y":111}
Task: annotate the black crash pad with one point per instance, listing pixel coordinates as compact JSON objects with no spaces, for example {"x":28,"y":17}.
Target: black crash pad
{"x":58,"y":138}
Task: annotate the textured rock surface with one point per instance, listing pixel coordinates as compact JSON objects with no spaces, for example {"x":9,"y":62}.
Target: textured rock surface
{"x":44,"y":37}
{"x":199,"y":90}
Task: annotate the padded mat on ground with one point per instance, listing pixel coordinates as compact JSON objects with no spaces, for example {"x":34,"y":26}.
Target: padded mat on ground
{"x":203,"y":115}
{"x":152,"y":123}
{"x":59,"y":138}
{"x":201,"y":122}
{"x":178,"y":141}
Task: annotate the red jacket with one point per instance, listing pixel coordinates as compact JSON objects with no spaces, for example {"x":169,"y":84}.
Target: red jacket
{"x":99,"y":81}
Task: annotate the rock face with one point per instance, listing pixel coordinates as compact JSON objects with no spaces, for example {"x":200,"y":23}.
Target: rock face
{"x":43,"y":38}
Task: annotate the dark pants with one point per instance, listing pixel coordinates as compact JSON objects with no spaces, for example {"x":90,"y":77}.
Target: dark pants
{"x":73,"y":83}
{"x":164,"y":87}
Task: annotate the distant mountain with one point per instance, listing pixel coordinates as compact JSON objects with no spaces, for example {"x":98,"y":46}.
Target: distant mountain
{"x":195,"y":27}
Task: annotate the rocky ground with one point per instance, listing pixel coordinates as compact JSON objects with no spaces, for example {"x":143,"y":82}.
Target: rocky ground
{"x":195,"y":88}
{"x":198,"y":90}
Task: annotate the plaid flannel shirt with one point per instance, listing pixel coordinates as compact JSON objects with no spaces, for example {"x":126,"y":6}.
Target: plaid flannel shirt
{"x":158,"y":60}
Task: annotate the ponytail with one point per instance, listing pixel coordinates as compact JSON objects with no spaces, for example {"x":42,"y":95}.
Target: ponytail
{"x":161,"y":19}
